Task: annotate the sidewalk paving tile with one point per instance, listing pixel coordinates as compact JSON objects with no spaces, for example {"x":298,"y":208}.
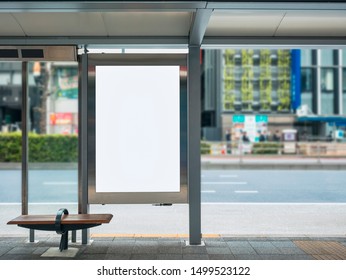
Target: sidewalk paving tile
{"x":238,"y":243}
{"x":283,"y":244}
{"x":291,"y":251}
{"x":261,"y":244}
{"x":247,"y":257}
{"x":267,"y":251}
{"x":243,"y":251}
{"x":218,"y":250}
{"x":176,"y":249}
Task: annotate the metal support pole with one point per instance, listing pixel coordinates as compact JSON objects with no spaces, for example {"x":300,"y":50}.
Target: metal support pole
{"x":194,"y":137}
{"x":83,"y":206}
{"x":25,"y":153}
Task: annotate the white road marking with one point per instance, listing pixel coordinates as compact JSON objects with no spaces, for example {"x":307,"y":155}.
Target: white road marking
{"x":209,"y":191}
{"x":59,"y":183}
{"x":246,"y":191}
{"x":228,"y":176}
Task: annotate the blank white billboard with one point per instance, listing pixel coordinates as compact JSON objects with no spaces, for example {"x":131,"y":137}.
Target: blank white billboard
{"x":137,"y":129}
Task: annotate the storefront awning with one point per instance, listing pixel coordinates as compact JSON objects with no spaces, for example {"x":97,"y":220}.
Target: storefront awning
{"x":332,"y":120}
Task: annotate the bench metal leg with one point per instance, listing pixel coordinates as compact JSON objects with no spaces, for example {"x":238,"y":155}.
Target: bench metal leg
{"x":85,"y":236}
{"x":31,"y":235}
{"x":74,"y":236}
{"x":64,"y":241}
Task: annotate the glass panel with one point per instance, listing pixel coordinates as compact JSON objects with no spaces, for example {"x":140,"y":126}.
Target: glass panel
{"x":300,"y":142}
{"x":327,"y":91}
{"x":344,"y":89}
{"x":344,"y":57}
{"x":327,"y":58}
{"x":5,"y":78}
{"x":327,"y":80}
{"x":10,"y":144}
{"x":53,"y":140}
{"x":306,"y":87}
{"x":306,"y":57}
{"x":306,"y":79}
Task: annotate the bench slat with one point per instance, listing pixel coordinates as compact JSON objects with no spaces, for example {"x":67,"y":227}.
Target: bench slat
{"x":66,"y":219}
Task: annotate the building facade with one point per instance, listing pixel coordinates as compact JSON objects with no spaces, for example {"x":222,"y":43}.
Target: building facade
{"x":272,"y":82}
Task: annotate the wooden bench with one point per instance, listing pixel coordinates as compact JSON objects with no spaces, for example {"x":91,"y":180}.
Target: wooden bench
{"x":62,"y":222}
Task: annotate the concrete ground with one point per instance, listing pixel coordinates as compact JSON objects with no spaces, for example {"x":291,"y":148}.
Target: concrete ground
{"x":175,"y":248}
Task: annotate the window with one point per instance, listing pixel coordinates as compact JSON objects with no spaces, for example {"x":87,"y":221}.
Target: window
{"x":10,"y":137}
{"x":306,"y":79}
{"x":344,"y":57}
{"x":327,"y":58}
{"x":306,"y":57}
{"x":53,"y":138}
{"x":344,"y":89}
{"x":5,"y":78}
{"x":327,"y":80}
{"x":327,"y":91}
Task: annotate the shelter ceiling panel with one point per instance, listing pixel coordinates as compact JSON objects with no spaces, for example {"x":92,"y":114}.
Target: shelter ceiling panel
{"x":148,"y":23}
{"x":244,"y":23}
{"x":9,"y":26}
{"x":62,"y":24}
{"x":313,"y":23}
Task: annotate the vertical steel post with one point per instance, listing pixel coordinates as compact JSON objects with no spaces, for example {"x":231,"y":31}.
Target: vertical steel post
{"x":83,"y":206}
{"x":194,"y":137}
{"x":25,"y":153}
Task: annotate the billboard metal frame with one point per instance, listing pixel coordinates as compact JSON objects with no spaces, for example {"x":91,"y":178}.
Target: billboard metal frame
{"x":95,"y":197}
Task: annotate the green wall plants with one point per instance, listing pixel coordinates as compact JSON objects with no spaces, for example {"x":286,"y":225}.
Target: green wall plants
{"x":229,"y":80}
{"x":247,"y":79}
{"x":265,"y":79}
{"x":284,"y":76}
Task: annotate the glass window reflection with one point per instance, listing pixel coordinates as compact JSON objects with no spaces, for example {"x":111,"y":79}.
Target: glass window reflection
{"x":53,"y":138}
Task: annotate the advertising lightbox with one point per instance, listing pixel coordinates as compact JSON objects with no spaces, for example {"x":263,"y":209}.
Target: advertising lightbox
{"x":137,"y":128}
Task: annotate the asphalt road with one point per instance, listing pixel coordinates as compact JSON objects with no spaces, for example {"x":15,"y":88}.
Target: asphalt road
{"x":218,"y":186}
{"x":274,"y":186}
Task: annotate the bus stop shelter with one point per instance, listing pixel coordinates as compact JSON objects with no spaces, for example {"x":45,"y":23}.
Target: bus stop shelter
{"x":189,"y":25}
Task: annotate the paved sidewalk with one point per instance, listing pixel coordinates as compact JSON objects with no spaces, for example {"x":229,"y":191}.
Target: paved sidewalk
{"x":175,"y":248}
